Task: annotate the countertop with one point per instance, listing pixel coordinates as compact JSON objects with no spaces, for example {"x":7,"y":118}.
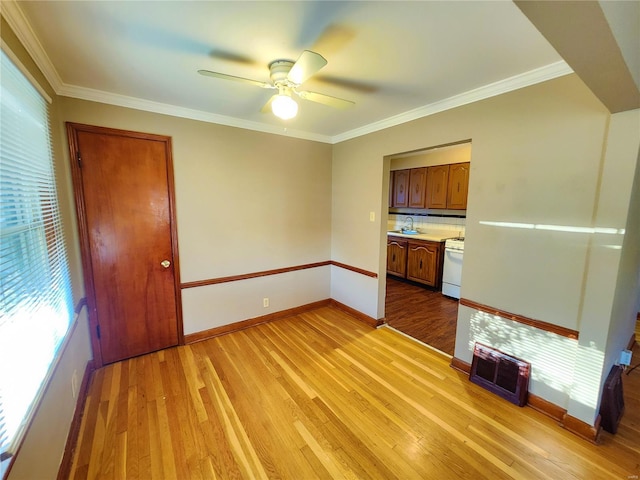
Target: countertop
{"x":429,"y":236}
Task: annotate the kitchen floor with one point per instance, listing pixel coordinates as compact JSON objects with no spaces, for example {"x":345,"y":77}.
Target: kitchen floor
{"x":424,"y":314}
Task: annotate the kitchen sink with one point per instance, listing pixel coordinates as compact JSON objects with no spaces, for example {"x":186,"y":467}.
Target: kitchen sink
{"x":406,"y":232}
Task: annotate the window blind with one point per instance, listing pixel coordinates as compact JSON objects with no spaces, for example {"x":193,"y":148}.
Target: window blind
{"x":36,"y":305}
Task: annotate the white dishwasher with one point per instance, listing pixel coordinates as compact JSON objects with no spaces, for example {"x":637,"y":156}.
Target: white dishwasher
{"x":452,"y":268}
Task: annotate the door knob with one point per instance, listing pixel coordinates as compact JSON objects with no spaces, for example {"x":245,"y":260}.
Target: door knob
{"x":165,"y":263}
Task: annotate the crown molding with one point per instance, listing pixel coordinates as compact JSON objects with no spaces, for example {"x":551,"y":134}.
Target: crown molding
{"x":542,"y":74}
{"x":516,"y":82}
{"x":22,"y":28}
{"x":135,"y":103}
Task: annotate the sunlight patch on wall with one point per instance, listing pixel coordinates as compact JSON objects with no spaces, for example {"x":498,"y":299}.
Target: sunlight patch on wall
{"x":555,"y":228}
{"x":552,"y":356}
{"x":587,"y":376}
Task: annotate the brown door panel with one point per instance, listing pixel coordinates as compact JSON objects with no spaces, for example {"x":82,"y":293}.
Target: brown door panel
{"x":128,"y":221}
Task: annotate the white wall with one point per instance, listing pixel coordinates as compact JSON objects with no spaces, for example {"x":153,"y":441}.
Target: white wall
{"x":246,"y":202}
{"x":624,"y":142}
{"x":538,"y":159}
{"x":224,"y":303}
{"x":436,"y":156}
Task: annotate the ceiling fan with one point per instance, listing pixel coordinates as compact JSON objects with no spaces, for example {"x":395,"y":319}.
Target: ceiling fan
{"x":286,"y":77}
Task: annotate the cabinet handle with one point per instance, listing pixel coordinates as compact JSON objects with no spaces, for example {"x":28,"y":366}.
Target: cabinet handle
{"x":421,"y":264}
{"x":458,"y":187}
{"x":393,"y":258}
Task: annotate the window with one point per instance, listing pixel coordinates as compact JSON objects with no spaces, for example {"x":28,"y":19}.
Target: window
{"x":36,"y":305}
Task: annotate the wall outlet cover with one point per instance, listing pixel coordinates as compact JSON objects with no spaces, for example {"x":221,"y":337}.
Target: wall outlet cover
{"x":625,"y":357}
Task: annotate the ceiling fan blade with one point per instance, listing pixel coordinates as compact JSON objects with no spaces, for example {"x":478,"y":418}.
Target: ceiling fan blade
{"x":307,"y":64}
{"x":267,"y":106}
{"x":230,"y":56}
{"x":224,"y":76}
{"x":328,"y":100}
{"x":333,"y":39}
{"x":346,"y":83}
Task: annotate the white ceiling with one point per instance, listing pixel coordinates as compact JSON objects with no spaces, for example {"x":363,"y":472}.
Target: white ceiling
{"x":396,"y":60}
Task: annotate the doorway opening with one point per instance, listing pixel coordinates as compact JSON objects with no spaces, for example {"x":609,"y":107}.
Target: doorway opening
{"x":427,"y":206}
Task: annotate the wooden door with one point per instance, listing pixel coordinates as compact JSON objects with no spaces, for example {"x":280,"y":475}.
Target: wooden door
{"x":417,"y":187}
{"x":400,"y":187}
{"x":123,"y":183}
{"x":437,"y":181}
{"x":458,"y":186}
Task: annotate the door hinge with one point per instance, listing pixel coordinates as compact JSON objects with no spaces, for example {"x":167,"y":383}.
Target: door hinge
{"x":98,"y":331}
{"x":79,"y":160}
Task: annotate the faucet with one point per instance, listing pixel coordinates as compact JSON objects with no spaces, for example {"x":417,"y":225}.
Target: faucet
{"x":406,"y":222}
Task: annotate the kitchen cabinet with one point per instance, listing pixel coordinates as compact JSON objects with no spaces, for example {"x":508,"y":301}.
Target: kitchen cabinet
{"x":437,"y":185}
{"x":409,"y":187}
{"x":424,"y":262}
{"x":417,"y":187}
{"x":458,"y":186}
{"x":400,"y":188}
{"x":397,"y":256}
{"x":416,"y":260}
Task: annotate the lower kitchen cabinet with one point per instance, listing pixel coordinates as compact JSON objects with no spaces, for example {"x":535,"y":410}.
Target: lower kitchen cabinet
{"x":397,"y":256}
{"x":424,"y":264}
{"x":416,"y":260}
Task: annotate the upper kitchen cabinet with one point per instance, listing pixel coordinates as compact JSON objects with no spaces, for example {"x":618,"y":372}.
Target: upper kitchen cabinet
{"x":417,"y":187}
{"x":435,"y":178}
{"x":400,"y":188}
{"x":437,"y":184}
{"x":458,"y":186}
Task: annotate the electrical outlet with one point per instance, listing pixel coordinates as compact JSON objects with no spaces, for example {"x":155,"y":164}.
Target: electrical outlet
{"x":625,"y":357}
{"x":372,"y":216}
{"x":265,"y":302}
{"x":74,"y":384}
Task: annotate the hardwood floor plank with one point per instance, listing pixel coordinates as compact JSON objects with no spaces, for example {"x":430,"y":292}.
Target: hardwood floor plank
{"x":422,"y":313}
{"x":321,"y":395}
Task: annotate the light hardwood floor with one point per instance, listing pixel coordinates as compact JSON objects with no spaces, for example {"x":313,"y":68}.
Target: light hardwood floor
{"x":321,"y":395}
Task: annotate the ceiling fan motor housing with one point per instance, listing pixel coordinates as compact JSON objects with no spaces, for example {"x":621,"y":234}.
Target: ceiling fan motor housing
{"x":279,"y":70}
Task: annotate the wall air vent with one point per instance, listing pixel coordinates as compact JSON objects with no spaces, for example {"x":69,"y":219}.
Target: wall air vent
{"x":612,"y":406}
{"x":500,"y":373}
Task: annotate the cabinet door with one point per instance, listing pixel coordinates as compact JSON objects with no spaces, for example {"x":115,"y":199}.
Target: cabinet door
{"x":391,"y":188}
{"x":458,"y":186}
{"x":396,"y":257}
{"x":400,"y":188}
{"x":437,"y":181}
{"x":422,"y":263}
{"x":417,"y":187}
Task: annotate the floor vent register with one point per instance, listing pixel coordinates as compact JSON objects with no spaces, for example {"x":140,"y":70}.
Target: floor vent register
{"x":500,"y":373}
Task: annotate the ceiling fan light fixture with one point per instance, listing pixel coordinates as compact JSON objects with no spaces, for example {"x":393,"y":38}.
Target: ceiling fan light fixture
{"x":284,"y":107}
